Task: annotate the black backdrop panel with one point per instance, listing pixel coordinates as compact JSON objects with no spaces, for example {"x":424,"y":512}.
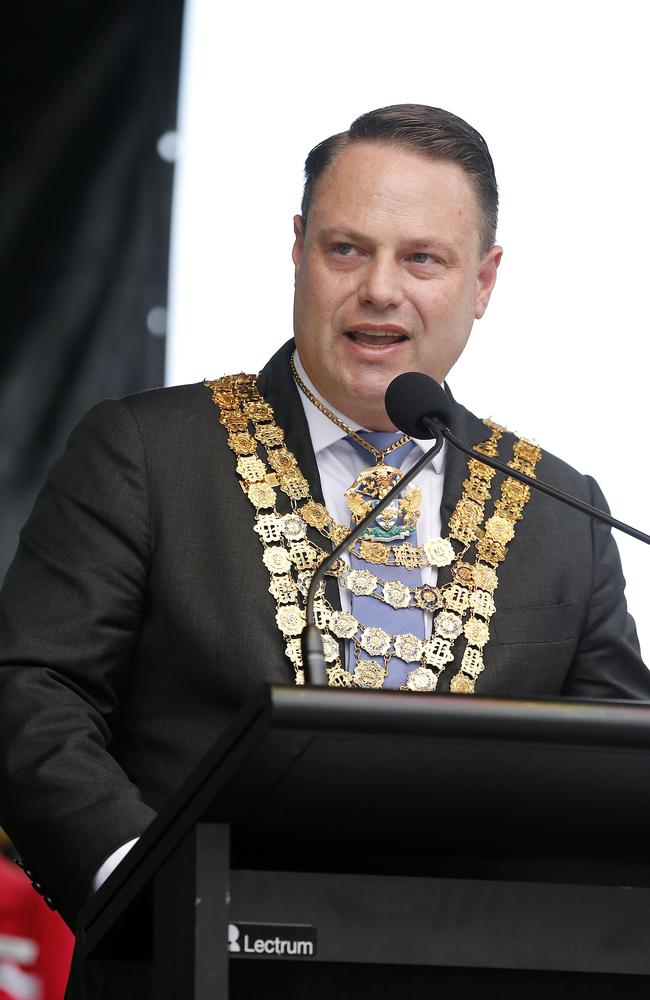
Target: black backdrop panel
{"x":85,"y":206}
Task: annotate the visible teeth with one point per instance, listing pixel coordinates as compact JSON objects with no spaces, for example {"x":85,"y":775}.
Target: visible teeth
{"x":376,"y":338}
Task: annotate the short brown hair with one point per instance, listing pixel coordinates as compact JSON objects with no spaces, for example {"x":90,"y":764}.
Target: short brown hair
{"x":431,"y":131}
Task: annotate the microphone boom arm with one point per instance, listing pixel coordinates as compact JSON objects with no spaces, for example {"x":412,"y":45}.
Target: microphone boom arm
{"x":437,"y":429}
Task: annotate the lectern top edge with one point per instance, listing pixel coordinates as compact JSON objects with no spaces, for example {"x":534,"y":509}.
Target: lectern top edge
{"x":558,"y":721}
{"x":309,"y":713}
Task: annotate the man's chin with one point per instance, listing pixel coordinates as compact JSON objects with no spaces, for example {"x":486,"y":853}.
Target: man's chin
{"x":362,"y":400}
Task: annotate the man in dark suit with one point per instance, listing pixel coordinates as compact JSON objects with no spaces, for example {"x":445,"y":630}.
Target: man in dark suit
{"x":141,"y":610}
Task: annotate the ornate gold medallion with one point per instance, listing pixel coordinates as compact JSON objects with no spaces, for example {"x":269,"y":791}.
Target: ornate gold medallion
{"x":408,"y":647}
{"x":276,"y":559}
{"x":476,"y":632}
{"x":482,"y":603}
{"x":461,"y":684}
{"x":464,"y":574}
{"x":293,"y":527}
{"x":315,"y":515}
{"x":421,"y":680}
{"x":261,"y":495}
{"x":330,"y":648}
{"x":282,"y":461}
{"x":369,"y":673}
{"x":343,"y":624}
{"x":290,"y":619}
{"x":448,"y":625}
{"x":399,"y":519}
{"x":499,"y":528}
{"x":426,"y":597}
{"x":374,"y":552}
{"x":375,"y":640}
{"x":294,"y":652}
{"x":361,"y":582}
{"x":242,"y":443}
{"x":439,"y":552}
{"x":396,"y":594}
{"x":485,"y":577}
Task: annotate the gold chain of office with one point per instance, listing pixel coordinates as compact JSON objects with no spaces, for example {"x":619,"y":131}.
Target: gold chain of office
{"x":463,"y":607}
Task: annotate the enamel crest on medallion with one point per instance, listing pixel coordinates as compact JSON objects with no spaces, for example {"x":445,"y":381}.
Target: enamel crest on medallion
{"x":399,"y":519}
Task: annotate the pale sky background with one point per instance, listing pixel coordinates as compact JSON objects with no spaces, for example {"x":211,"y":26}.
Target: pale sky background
{"x":559,"y":91}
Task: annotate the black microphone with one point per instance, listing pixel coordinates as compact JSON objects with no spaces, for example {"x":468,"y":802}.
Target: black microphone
{"x":411,"y":397}
{"x":419,"y":406}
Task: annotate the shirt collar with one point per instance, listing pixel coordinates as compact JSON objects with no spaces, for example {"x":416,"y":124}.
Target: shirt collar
{"x":324,"y":432}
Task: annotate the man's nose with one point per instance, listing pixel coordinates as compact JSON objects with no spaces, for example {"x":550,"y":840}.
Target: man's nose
{"x":381,"y":283}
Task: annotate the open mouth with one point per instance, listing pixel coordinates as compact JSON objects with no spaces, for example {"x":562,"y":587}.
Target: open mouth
{"x":376,"y":339}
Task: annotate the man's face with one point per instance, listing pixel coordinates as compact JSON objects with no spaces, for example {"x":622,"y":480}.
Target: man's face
{"x":390,"y":275}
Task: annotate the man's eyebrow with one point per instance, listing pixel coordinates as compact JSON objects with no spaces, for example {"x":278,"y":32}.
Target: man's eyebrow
{"x":342,"y":234}
{"x":424,"y":243}
{"x":434,"y":245}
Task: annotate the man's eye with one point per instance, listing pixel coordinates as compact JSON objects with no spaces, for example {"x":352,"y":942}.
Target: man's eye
{"x":344,"y":249}
{"x":421,"y":258}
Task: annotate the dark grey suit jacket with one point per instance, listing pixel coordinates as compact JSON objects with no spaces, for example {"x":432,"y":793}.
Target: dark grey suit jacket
{"x":136,"y":618}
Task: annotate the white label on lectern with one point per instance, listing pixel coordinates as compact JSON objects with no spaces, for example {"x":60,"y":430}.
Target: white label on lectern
{"x":271,"y":940}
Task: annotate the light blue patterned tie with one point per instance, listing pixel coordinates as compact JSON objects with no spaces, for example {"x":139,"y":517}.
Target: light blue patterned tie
{"x":369,"y":610}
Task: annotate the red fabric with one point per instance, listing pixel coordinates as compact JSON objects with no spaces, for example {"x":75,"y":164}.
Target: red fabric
{"x":24,"y":915}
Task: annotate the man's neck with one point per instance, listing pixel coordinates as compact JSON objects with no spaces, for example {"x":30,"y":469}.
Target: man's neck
{"x":369,"y":424}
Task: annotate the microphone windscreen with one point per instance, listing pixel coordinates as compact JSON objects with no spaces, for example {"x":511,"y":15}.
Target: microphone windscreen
{"x":412,"y":396}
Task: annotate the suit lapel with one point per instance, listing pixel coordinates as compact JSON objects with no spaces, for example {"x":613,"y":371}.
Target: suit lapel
{"x":279,"y":389}
{"x":470,"y":430}
{"x":281,"y":392}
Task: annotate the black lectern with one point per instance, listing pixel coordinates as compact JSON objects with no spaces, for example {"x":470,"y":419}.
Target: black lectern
{"x":376,"y":830}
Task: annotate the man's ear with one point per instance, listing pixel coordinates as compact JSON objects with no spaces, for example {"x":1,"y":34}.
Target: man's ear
{"x":486,"y":279}
{"x":299,"y":241}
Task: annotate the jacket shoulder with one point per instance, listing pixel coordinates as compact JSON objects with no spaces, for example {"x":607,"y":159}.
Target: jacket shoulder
{"x":168,"y":401}
{"x":550,"y":468}
{"x":156,"y":416}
